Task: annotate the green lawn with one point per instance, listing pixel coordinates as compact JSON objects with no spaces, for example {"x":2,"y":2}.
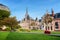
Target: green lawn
{"x":3,"y":35}
{"x":55,"y":32}
{"x":25,"y":36}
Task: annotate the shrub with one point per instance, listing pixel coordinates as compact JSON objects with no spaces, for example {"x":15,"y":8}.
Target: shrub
{"x":17,"y":30}
{"x":22,"y":30}
{"x":27,"y":30}
{"x":18,"y":26}
{"x":8,"y":29}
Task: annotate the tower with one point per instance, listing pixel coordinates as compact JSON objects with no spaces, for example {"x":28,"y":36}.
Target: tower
{"x":52,"y":13}
{"x":27,"y":15}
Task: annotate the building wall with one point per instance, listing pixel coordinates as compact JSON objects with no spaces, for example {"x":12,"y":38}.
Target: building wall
{"x":27,"y":24}
{"x":52,"y":26}
{"x":56,"y":20}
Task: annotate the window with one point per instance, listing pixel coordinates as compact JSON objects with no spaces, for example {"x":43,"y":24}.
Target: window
{"x":51,"y":27}
{"x":48,"y":28}
{"x":29,"y":27}
{"x":56,"y":25}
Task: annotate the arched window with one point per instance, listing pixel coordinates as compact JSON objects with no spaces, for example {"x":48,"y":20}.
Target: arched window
{"x":56,"y":25}
{"x":48,"y":28}
{"x":51,"y":27}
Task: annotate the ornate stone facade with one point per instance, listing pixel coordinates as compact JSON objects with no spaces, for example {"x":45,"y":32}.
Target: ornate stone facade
{"x":29,"y":23}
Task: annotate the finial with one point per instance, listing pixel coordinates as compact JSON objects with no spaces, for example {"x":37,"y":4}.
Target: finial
{"x":26,"y":10}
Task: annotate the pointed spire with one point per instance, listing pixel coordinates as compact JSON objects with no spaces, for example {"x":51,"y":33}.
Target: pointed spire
{"x":36,"y":19}
{"x":26,"y":11}
{"x":26,"y":15}
{"x":52,"y":12}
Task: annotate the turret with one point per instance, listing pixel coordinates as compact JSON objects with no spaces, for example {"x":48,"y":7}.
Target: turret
{"x":52,"y":13}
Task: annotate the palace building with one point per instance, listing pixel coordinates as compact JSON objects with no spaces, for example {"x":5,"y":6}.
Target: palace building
{"x":29,"y":23}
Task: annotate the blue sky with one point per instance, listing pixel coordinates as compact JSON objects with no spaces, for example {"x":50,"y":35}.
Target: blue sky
{"x":36,"y":8}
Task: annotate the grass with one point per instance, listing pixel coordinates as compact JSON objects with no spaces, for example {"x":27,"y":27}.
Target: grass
{"x":3,"y":35}
{"x":25,"y":36}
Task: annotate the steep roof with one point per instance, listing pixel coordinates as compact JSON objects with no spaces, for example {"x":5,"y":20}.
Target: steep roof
{"x":3,"y":7}
{"x":57,"y":15}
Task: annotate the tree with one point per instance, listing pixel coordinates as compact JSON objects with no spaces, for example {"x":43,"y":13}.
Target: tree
{"x":1,"y":23}
{"x":47,"y":20}
{"x":6,"y":20}
{"x":11,"y":22}
{"x":4,"y":14}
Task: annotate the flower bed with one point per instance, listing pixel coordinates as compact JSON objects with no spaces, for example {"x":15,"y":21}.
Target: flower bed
{"x":47,"y":32}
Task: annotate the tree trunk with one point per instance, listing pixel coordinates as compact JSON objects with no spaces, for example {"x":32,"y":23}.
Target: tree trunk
{"x":12,"y":29}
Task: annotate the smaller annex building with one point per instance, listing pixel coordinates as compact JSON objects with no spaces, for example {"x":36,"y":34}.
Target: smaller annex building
{"x":55,"y":24}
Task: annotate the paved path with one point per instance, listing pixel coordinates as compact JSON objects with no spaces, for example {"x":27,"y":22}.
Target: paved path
{"x":58,"y":35}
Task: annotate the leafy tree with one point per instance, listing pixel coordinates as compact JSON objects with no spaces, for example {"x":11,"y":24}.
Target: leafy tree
{"x":4,"y":14}
{"x":1,"y":23}
{"x":47,"y":20}
{"x":11,"y":22}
